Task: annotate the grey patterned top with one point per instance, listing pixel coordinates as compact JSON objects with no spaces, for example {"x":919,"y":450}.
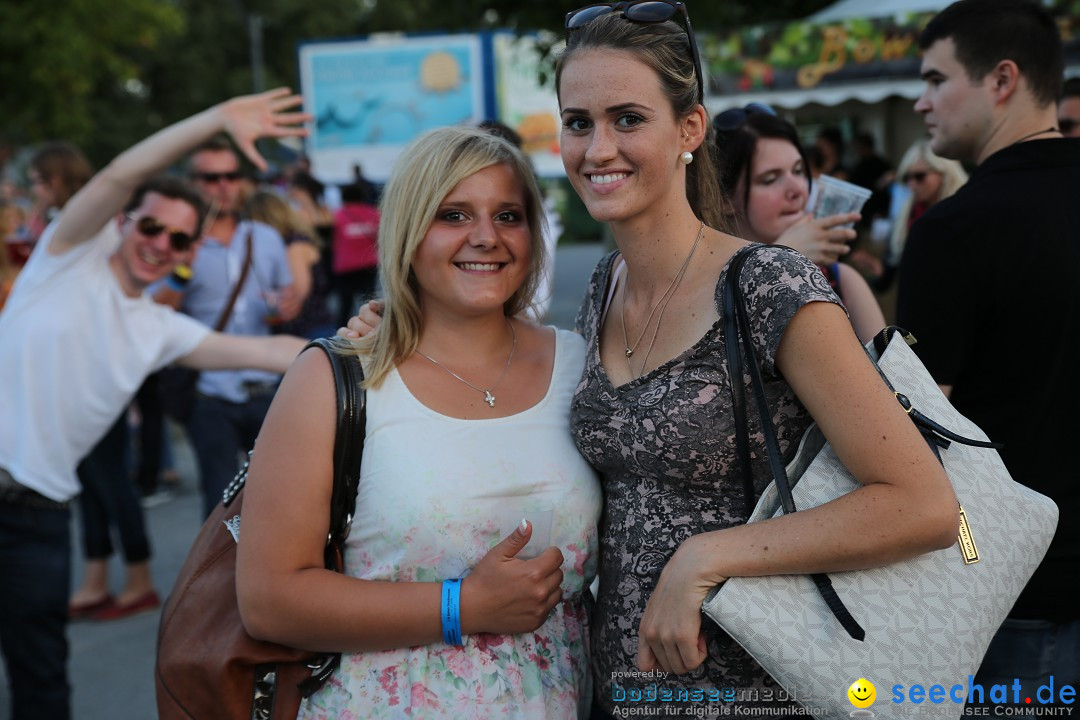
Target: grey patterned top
{"x":664,"y":444}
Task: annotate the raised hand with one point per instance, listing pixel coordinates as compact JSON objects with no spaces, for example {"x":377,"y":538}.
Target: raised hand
{"x":251,"y":117}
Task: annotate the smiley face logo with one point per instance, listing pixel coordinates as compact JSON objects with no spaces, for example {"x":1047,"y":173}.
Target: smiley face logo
{"x":862,"y":693}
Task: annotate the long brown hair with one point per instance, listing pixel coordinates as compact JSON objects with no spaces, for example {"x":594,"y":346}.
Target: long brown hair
{"x":64,"y":168}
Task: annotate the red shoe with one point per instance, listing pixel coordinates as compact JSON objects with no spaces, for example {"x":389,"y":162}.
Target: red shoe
{"x":87,"y":610}
{"x":149,"y":601}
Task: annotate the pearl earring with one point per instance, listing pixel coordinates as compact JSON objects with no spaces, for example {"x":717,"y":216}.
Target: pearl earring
{"x":686,"y":158}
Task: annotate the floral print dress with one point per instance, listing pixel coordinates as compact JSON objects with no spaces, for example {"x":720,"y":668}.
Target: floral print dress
{"x":436,"y":493}
{"x":664,"y":444}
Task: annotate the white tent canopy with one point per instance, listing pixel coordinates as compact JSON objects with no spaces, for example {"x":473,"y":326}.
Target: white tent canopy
{"x":847,"y":9}
{"x":868,"y":92}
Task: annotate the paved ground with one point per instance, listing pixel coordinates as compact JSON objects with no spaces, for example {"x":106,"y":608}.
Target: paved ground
{"x":112,"y":663}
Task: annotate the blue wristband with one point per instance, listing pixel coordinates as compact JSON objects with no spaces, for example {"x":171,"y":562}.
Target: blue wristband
{"x":450,"y":612}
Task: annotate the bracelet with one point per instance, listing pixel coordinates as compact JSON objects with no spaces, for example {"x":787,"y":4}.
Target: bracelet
{"x":451,"y":611}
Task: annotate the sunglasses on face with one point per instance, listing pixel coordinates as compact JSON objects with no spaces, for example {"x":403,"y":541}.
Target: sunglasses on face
{"x":735,"y":118}
{"x":646,"y":12}
{"x":213,"y":177}
{"x":149,"y":227}
{"x":1067,"y":125}
{"x":918,"y":176}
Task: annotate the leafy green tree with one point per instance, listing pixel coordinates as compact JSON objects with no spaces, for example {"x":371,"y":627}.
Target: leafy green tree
{"x":104,"y":73}
{"x":66,"y":62}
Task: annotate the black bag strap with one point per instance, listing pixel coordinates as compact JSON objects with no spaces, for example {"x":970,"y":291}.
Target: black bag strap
{"x":736,"y":327}
{"x":348,"y":440}
{"x":348,"y":451}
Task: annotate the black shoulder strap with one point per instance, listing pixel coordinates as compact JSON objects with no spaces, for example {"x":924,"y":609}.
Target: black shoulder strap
{"x":349,"y":439}
{"x":348,"y":451}
{"x":736,"y":328}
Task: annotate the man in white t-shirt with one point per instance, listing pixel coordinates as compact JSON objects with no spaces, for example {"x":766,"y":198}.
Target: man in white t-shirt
{"x":77,"y":337}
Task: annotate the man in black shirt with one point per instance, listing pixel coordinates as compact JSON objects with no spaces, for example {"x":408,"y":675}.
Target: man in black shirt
{"x":988,"y":286}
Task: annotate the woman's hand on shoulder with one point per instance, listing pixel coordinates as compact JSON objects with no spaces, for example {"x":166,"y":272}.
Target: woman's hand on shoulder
{"x":364,"y":322}
{"x":505,"y":595}
{"x":670,"y":637}
{"x":822,"y":240}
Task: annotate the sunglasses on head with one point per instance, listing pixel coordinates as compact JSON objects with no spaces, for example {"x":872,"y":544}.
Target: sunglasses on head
{"x":917,"y":176}
{"x":735,"y":118}
{"x":213,"y":177}
{"x":151,"y":228}
{"x":642,"y":11}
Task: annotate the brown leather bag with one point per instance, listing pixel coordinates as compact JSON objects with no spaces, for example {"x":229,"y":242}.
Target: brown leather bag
{"x":207,"y":664}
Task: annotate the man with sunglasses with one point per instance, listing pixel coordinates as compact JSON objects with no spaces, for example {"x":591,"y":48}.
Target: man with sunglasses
{"x":79,"y":335}
{"x":230,"y":405}
{"x":988,"y":286}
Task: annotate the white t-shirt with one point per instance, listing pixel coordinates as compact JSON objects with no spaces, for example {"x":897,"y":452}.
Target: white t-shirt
{"x":74,"y":350}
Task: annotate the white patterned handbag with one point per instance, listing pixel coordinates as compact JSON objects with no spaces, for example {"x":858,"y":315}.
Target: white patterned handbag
{"x":927,"y":620}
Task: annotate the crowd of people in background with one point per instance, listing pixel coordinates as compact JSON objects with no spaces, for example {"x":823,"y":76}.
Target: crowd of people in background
{"x":268,"y":259}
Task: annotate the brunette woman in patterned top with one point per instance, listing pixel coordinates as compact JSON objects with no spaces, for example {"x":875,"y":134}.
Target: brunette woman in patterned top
{"x":652,"y":412}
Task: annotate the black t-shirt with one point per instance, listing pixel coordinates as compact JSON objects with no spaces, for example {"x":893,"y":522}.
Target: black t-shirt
{"x":989,"y":286}
{"x":867,"y":173}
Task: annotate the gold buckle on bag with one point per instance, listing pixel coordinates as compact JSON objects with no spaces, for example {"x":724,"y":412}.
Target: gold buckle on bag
{"x":968,"y":551}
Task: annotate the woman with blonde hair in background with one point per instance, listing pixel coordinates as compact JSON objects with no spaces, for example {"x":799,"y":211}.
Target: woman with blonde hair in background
{"x":304,"y":250}
{"x":468,"y":408}
{"x":928,"y":179}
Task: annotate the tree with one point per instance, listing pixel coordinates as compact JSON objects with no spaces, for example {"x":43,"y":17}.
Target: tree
{"x":105,"y":73}
{"x":63,"y":63}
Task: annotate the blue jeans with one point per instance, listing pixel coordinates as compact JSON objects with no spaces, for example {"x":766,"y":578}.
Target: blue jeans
{"x":1032,"y":651}
{"x":109,"y":498}
{"x":220,"y":431}
{"x":35,"y":581}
